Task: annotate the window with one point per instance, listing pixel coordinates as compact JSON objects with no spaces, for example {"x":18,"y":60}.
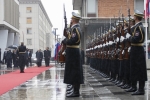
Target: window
{"x":29,"y":9}
{"x":29,"y":41}
{"x":29,"y":20}
{"x":29,"y":30}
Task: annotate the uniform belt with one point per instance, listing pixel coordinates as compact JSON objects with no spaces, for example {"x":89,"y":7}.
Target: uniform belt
{"x":73,"y":46}
{"x":21,"y":52}
{"x":139,"y":44}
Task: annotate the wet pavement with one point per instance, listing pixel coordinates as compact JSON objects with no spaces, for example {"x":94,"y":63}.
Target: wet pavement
{"x":49,"y":86}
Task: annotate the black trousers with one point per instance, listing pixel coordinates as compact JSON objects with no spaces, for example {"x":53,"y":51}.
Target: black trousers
{"x":47,"y":61}
{"x":38,"y":63}
{"x":22,"y":62}
{"x":29,"y":61}
{"x":9,"y":63}
{"x":4,"y":60}
{"x":76,"y":88}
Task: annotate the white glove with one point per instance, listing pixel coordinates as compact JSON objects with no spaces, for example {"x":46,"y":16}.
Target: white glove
{"x":128,"y":35}
{"x":64,"y":53}
{"x":123,"y":52}
{"x":121,"y":39}
{"x":129,"y":49}
{"x":117,"y":39}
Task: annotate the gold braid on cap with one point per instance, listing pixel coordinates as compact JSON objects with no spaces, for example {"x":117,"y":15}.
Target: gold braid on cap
{"x":140,"y":15}
{"x":75,"y":17}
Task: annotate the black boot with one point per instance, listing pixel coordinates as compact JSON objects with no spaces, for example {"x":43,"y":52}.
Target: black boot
{"x":141,"y":90}
{"x":133,"y":87}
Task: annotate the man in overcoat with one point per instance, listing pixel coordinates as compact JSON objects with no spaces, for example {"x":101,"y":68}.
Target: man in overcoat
{"x":47,"y":56}
{"x":73,"y":69}
{"x":39,"y":56}
{"x":137,"y":55}
{"x":22,"y":57}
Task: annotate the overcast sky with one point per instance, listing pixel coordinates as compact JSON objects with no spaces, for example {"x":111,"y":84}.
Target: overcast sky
{"x":54,"y":9}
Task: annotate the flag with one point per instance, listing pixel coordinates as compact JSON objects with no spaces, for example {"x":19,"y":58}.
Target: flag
{"x":147,"y":8}
{"x":57,"y":48}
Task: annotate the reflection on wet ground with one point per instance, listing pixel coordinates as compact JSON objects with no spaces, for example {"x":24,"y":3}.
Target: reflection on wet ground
{"x":49,"y":86}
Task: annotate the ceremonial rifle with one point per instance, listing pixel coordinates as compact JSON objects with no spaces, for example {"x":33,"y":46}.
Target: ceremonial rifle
{"x":127,"y":43}
{"x":122,"y":43}
{"x":61,"y":57}
{"x":65,"y":21}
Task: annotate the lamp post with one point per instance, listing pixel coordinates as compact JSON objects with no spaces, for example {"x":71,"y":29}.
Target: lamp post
{"x":55,"y":39}
{"x":59,"y":40}
{"x":57,"y":48}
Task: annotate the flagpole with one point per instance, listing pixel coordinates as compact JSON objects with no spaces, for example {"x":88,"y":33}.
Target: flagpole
{"x":145,"y":3}
{"x":146,"y":38}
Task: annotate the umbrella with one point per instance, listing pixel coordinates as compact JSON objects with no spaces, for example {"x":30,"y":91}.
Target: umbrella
{"x":12,"y":47}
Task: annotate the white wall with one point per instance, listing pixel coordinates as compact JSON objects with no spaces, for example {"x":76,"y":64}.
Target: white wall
{"x":16,"y":39}
{"x":10,"y":39}
{"x":3,"y":40}
{"x":1,"y":11}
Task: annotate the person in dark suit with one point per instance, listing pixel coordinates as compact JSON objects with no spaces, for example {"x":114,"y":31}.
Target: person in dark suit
{"x":50,"y":55}
{"x":27,"y":58}
{"x":9,"y":59}
{"x":73,"y":70}
{"x":30,"y":56}
{"x":22,"y":57}
{"x":137,"y":56}
{"x":4,"y":56}
{"x":15,"y":58}
{"x":39,"y":56}
{"x":47,"y":57}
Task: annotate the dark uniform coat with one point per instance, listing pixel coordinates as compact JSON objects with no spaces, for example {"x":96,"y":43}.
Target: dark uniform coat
{"x":137,"y":55}
{"x":82,"y":56}
{"x":22,"y":57}
{"x":73,"y":69}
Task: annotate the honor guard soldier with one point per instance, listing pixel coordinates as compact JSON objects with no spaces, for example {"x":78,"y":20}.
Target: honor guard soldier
{"x":137,"y":55}
{"x":73,"y":69}
{"x":22,"y":57}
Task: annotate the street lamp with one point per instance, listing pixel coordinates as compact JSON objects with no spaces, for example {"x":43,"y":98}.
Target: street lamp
{"x":57,"y":48}
{"x":55,"y":39}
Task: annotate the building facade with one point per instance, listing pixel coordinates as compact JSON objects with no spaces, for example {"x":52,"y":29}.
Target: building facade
{"x":35,"y":25}
{"x":99,"y":15}
{"x":9,"y":24}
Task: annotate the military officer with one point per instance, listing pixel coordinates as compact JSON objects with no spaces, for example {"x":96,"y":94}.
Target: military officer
{"x":22,"y":57}
{"x":137,"y":55}
{"x":73,"y":69}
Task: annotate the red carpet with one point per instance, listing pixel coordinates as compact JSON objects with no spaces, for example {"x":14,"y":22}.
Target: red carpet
{"x":11,"y":80}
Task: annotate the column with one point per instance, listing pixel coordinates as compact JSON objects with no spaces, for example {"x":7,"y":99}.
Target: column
{"x":3,"y":41}
{"x":16,"y":39}
{"x":10,"y":39}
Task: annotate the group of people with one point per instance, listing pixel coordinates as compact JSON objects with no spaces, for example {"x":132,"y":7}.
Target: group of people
{"x":39,"y":56}
{"x":119,"y":54}
{"x":47,"y":56}
{"x":11,"y":58}
{"x":22,"y":56}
